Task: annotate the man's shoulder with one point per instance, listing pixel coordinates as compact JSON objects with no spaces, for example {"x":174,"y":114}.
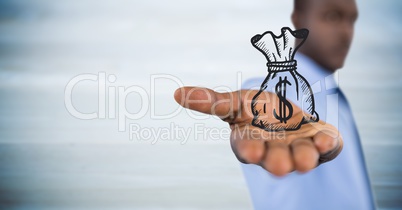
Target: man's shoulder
{"x":253,"y":83}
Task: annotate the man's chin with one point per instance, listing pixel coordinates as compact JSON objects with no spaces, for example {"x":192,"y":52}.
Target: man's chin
{"x":336,"y":63}
{"x":333,"y":67}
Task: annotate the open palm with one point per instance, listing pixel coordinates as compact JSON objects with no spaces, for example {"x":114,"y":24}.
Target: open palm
{"x":279,"y":152}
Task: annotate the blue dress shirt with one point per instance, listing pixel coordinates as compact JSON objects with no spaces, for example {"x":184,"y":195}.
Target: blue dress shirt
{"x":341,"y":184}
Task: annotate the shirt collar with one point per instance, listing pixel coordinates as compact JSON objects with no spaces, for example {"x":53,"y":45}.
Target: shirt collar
{"x":314,"y":73}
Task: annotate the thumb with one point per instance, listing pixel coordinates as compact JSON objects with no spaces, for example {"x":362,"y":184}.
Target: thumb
{"x":223,"y":105}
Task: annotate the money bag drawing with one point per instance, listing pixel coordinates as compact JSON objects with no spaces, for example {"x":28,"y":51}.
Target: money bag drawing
{"x":284,"y":80}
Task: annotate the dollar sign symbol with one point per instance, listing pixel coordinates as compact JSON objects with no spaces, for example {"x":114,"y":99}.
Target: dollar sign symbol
{"x":284,"y":104}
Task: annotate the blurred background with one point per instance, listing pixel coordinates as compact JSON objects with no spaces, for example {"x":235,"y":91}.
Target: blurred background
{"x":51,"y":158}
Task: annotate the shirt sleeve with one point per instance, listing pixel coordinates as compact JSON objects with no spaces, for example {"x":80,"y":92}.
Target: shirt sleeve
{"x":252,"y":84}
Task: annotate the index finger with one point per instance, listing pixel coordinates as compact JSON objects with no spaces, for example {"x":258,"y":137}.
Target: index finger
{"x":224,"y":105}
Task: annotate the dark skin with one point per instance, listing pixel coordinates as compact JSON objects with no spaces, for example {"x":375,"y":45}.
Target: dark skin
{"x":331,"y":30}
{"x":277,"y":152}
{"x":331,"y":26}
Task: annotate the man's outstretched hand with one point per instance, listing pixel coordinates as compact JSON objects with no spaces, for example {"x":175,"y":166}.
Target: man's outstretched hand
{"x":278,"y":152}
